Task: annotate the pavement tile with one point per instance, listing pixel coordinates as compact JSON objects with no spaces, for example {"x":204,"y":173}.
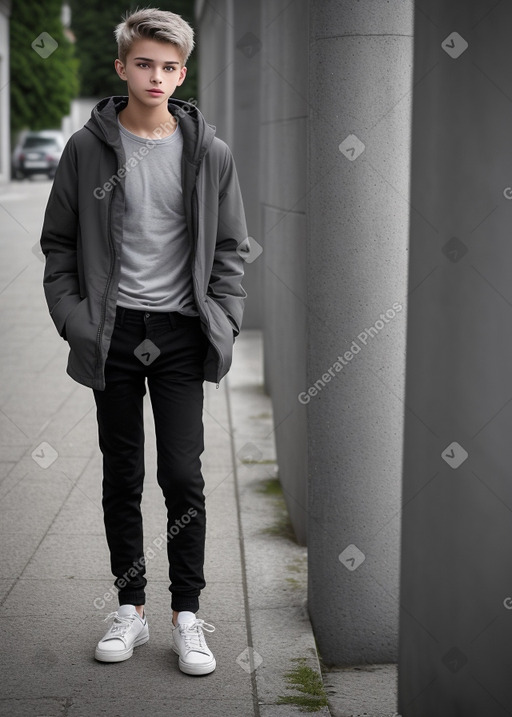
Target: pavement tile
{"x":70,"y":556}
{"x":80,"y":514}
{"x":163,"y":705}
{"x":17,"y":550}
{"x":36,"y":707}
{"x":33,"y":596}
{"x":6,"y":585}
{"x":47,"y":494}
{"x":223,"y":559}
{"x":13,"y":437}
{"x":59,"y":656}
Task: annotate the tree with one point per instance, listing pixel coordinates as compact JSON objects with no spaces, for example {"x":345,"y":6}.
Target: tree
{"x":44,"y":69}
{"x":93,"y":23}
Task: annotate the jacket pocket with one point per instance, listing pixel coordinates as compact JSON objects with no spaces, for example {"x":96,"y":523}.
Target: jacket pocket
{"x":220,"y":334}
{"x":81,"y":333}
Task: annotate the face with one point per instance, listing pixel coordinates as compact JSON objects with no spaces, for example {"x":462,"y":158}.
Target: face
{"x":152,"y":70}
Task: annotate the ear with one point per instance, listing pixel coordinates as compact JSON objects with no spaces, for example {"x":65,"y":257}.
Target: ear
{"x":183,"y":74}
{"x":120,"y":69}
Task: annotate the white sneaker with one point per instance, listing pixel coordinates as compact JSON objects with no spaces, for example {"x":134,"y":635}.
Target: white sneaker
{"x":128,"y":630}
{"x":188,"y":641}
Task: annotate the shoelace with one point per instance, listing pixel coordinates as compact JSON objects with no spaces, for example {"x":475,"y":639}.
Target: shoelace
{"x":120,"y":624}
{"x":192,"y":633}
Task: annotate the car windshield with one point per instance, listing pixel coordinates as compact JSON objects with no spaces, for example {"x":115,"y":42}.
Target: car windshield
{"x":39,"y":142}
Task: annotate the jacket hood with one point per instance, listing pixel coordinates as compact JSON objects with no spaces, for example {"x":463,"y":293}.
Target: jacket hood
{"x":197,"y":133}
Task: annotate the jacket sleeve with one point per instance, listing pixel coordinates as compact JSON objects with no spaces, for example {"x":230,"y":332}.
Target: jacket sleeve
{"x":59,"y":240}
{"x":231,"y":247}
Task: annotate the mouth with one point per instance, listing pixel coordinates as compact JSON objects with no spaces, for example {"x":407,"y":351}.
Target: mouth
{"x":155,"y":92}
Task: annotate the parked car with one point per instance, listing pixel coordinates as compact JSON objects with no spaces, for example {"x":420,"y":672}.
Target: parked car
{"x":37,"y":153}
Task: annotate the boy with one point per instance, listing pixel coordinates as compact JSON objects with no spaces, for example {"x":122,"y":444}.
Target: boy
{"x":144,"y":235}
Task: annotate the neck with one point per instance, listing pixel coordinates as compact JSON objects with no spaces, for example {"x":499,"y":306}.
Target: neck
{"x":147,"y":122}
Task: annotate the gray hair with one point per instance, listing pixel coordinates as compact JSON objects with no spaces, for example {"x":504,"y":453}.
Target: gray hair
{"x":154,"y":24}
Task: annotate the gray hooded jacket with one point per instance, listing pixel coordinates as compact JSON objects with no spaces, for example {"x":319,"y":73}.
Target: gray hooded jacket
{"x":83,"y":232}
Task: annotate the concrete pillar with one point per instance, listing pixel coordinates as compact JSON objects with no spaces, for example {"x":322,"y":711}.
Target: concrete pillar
{"x":456,"y":595}
{"x":253,"y":87}
{"x":229,"y":80}
{"x":360,"y":83}
{"x":283,"y":191}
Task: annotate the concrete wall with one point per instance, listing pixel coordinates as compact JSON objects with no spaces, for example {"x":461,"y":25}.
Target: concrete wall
{"x":229,"y":99}
{"x":5,"y":132}
{"x":253,"y":86}
{"x":283,"y":193}
{"x":334,"y":231}
{"x":360,"y":100}
{"x":456,"y":618}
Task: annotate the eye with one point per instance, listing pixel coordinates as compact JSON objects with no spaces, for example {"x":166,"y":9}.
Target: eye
{"x":170,"y":67}
{"x":142,"y":64}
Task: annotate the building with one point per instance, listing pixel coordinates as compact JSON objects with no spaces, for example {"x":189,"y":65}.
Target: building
{"x":5,"y":141}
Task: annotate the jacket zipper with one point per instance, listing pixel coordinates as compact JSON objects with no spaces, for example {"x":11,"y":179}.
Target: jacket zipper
{"x":109,"y":278}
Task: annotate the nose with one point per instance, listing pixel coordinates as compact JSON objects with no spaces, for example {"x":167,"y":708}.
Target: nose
{"x":156,"y":78}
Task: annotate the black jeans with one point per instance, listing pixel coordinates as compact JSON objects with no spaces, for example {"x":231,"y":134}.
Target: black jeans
{"x":168,"y":349}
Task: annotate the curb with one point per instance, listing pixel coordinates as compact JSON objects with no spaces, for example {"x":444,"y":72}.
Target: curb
{"x":275,"y":566}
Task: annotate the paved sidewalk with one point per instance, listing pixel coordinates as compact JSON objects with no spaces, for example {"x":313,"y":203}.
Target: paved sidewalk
{"x":55,"y":581}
